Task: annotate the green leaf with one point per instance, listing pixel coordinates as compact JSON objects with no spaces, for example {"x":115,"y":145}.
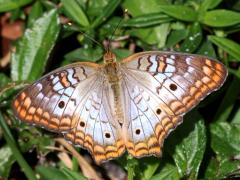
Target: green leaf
{"x":27,"y":140}
{"x":212,"y":169}
{"x":207,"y":49}
{"x":221,"y":18}
{"x":147,"y":20}
{"x":94,"y":8}
{"x":225,"y":143}
{"x":75,"y":11}
{"x":7,"y":5}
{"x":12,"y":144}
{"x":210,"y":4}
{"x":137,"y":8}
{"x":229,"y":100}
{"x":221,"y":169}
{"x":3,"y":80}
{"x":236,"y":118}
{"x":189,"y":141}
{"x":167,"y":172}
{"x":227,"y":45}
{"x":71,"y":175}
{"x":32,"y":51}
{"x":176,"y":36}
{"x":106,"y":12}
{"x":148,"y":167}
{"x":8,"y":91}
{"x":180,"y":12}
{"x":229,"y":167}
{"x":6,"y":161}
{"x":157,"y":35}
{"x":122,"y":53}
{"x":84,"y":54}
{"x":35,"y":13}
{"x":193,"y":39}
{"x":50,"y":173}
{"x":131,"y":166}
{"x":225,"y":139}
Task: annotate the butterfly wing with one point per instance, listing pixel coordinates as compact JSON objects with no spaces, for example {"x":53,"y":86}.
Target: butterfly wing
{"x":159,"y":88}
{"x":50,"y":102}
{"x":72,"y":100}
{"x":97,"y":130}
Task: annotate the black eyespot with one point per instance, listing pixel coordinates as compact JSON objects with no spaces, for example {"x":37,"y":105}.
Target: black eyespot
{"x":120,"y":124}
{"x":61,"y":104}
{"x":107,"y":135}
{"x":137,"y":131}
{"x":173,"y":87}
{"x":82,"y":124}
{"x":158,"y":111}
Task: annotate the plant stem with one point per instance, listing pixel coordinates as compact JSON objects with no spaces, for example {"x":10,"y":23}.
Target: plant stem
{"x":12,"y":144}
{"x":130,"y":173}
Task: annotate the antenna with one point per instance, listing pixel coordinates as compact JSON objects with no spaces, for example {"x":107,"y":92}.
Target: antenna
{"x":107,"y":49}
{"x":110,"y":39}
{"x":87,"y":35}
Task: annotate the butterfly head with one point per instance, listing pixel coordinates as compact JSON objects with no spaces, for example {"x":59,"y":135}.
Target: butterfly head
{"x":109,"y":57}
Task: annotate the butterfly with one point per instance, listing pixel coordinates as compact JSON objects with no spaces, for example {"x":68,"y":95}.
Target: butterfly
{"x":129,"y":105}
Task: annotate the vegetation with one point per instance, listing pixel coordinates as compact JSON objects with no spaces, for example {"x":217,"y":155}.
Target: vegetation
{"x":38,"y":36}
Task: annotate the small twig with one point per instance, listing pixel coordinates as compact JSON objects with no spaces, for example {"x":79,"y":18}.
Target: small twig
{"x":5,"y":60}
{"x":10,"y":86}
{"x":86,"y":168}
{"x":57,"y":149}
{"x":64,"y":157}
{"x":121,"y":38}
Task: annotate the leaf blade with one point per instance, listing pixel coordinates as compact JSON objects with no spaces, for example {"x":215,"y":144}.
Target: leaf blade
{"x":190,"y":143}
{"x":7,"y":5}
{"x":33,"y":50}
{"x":227,"y":45}
{"x":108,"y":10}
{"x":76,"y":12}
{"x":221,"y":18}
{"x":180,"y":12}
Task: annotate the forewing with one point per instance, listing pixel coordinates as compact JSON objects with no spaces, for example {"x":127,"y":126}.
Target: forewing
{"x":51,"y":101}
{"x":159,"y":89}
{"x":180,"y":80}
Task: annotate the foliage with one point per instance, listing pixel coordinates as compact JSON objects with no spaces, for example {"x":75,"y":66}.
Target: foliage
{"x":58,"y":32}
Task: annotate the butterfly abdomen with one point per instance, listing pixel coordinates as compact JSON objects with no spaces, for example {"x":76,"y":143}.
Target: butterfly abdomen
{"x":113,"y":77}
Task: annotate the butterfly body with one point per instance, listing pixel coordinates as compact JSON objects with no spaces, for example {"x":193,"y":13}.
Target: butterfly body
{"x":132,"y":104}
{"x":113,"y":78}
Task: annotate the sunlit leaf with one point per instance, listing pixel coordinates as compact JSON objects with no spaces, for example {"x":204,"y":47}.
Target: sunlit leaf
{"x":183,"y":13}
{"x":147,"y":20}
{"x":76,"y":12}
{"x":106,"y":12}
{"x":187,"y":145}
{"x":7,"y":5}
{"x":221,"y":18}
{"x":225,"y":139}
{"x":193,"y":39}
{"x":137,"y":8}
{"x":227,"y":45}
{"x":6,"y":161}
{"x":33,"y":50}
{"x":209,"y":4}
{"x":167,"y":172}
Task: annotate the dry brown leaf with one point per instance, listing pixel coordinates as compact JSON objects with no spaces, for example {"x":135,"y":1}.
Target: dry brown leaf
{"x":86,"y":168}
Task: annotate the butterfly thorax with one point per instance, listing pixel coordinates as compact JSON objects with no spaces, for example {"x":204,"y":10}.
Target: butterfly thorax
{"x":113,"y":76}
